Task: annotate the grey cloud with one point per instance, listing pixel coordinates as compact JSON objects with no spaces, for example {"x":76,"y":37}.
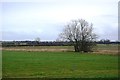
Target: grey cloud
{"x":48,"y":29}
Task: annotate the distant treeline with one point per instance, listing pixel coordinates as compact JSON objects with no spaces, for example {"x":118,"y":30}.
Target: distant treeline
{"x":45,"y":43}
{"x":34,"y":43}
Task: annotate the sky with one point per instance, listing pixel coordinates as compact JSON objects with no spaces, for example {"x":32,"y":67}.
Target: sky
{"x":29,"y":19}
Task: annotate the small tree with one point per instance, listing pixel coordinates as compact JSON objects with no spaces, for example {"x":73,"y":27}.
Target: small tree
{"x":105,"y":41}
{"x":80,"y":33}
{"x":37,"y":39}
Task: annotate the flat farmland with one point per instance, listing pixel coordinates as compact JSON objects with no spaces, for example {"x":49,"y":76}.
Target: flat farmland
{"x":59,"y":62}
{"x":35,"y":64}
{"x":100,"y":48}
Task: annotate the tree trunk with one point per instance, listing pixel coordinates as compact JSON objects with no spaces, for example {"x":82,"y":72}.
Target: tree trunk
{"x":76,"y":47}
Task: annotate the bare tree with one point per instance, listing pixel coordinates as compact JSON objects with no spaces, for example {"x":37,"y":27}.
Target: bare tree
{"x":37,"y":39}
{"x":80,"y":33}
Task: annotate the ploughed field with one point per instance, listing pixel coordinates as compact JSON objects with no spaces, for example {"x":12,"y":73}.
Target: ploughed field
{"x":53,"y":64}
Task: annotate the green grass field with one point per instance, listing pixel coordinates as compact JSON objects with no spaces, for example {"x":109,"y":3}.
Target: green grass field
{"x":26,"y":64}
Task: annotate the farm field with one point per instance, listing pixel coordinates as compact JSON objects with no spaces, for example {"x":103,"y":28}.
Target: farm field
{"x":32,"y":64}
{"x":100,"y":48}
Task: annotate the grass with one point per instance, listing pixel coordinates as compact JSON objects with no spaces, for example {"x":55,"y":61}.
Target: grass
{"x":107,"y":46}
{"x":58,"y":65}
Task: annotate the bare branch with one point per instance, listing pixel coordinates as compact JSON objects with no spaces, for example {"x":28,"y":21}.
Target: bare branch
{"x":80,"y":32}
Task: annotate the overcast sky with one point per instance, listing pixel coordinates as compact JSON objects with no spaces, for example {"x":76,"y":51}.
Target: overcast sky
{"x":23,"y":20}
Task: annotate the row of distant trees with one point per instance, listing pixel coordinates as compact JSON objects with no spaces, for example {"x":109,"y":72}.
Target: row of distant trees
{"x":49,"y":43}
